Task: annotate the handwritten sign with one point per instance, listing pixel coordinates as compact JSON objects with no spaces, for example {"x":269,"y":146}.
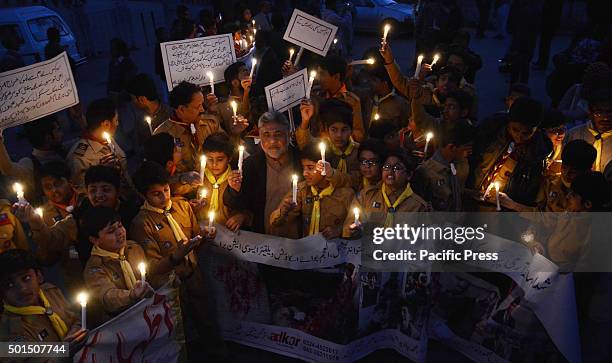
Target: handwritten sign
{"x":189,"y":60}
{"x":35,"y":91}
{"x":287,"y":92}
{"x":310,"y":32}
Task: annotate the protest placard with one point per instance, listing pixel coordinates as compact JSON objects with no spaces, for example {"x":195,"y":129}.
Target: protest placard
{"x":310,"y":32}
{"x":35,"y":91}
{"x":287,"y":92}
{"x":191,"y":59}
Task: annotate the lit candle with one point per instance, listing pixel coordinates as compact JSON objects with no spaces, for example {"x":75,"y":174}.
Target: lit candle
{"x":253,"y":22}
{"x":322,"y":148}
{"x":335,"y":41}
{"x":253,"y":67}
{"x":385,"y":33}
{"x":417,"y":71}
{"x":313,"y":75}
{"x":212,"y":83}
{"x":363,"y":61}
{"x":291,"y":52}
{"x":486,"y":193}
{"x":294,"y":182}
{"x":202,"y":168}
{"x":39,"y":212}
{"x":376,"y":117}
{"x":251,"y":39}
{"x":148,"y":121}
{"x":234,"y":108}
{"x":496,"y":184}
{"x":356,"y":213}
{"x":211,"y":219}
{"x":298,"y":57}
{"x":435,"y":59}
{"x":240,"y":157}
{"x":203,"y":193}
{"x":254,"y":31}
{"x":82,"y":299}
{"x":107,"y":137}
{"x":428,"y":138}
{"x":18,"y":189}
{"x":142,"y":267}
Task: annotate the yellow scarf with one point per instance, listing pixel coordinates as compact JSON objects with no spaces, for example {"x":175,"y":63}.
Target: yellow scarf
{"x":391,"y":208}
{"x":214,"y":197}
{"x":342,"y":167}
{"x":598,"y":144}
{"x":174,"y":226}
{"x":58,"y":324}
{"x":315,"y":217}
{"x":365,"y":183}
{"x":126,"y":268}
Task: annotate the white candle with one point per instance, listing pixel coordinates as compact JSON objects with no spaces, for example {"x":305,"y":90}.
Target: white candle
{"x":356,"y":213}
{"x":142,"y":267}
{"x":313,"y":75}
{"x":82,"y":299}
{"x":39,"y":212}
{"x":148,"y":121}
{"x":18,"y":189}
{"x":253,"y":64}
{"x":251,"y":39}
{"x":107,"y":137}
{"x":212,"y":83}
{"x":254,"y":31}
{"x":202,"y":168}
{"x":211,"y":219}
{"x":417,"y":71}
{"x":294,"y":182}
{"x":363,"y":61}
{"x":435,"y":59}
{"x":385,"y":33}
{"x":496,"y":184}
{"x":291,"y":52}
{"x":322,"y":148}
{"x":428,"y":138}
{"x":298,"y":57}
{"x":240,"y":157}
{"x":486,"y":193}
{"x":234,"y":107}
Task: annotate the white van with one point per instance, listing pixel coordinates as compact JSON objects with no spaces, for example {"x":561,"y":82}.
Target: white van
{"x":31,"y":24}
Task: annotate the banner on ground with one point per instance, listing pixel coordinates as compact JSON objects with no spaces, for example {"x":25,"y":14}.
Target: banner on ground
{"x":310,"y":32}
{"x":150,"y":331}
{"x":35,"y":91}
{"x":191,"y":59}
{"x":287,"y":92}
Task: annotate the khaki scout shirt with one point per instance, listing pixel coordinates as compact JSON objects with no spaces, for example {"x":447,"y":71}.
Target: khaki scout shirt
{"x":105,"y":281}
{"x":391,"y":107}
{"x":152,"y":231}
{"x":334,"y":208}
{"x":38,"y":328}
{"x":371,"y":203}
{"x":11,"y":232}
{"x":553,"y":195}
{"x":434,"y":181}
{"x":223,"y":213}
{"x":86,"y":153}
{"x":349,"y":97}
{"x":191,"y":145}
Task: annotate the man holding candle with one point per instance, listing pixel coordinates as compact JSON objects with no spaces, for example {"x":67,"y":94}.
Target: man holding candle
{"x":321,"y":206}
{"x":94,"y":149}
{"x":239,"y":85}
{"x":111,"y":274}
{"x":34,"y":311}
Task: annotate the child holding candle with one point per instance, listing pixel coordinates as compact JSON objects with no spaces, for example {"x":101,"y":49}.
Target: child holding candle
{"x":12,"y":234}
{"x":112,"y":256}
{"x":386,"y":102}
{"x":321,"y":206}
{"x":239,"y":86}
{"x":27,"y":299}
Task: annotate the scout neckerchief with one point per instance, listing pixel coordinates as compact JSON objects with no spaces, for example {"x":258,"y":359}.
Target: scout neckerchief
{"x":342,"y":167}
{"x":487,"y":182}
{"x":598,"y":144}
{"x":378,"y":101}
{"x":179,"y":235}
{"x":56,"y":321}
{"x":214,"y":197}
{"x":391,"y":208}
{"x":342,"y":90}
{"x":126,"y":268}
{"x":315,"y":217}
{"x":69,"y":207}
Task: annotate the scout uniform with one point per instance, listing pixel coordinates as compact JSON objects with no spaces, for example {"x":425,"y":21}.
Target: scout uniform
{"x":215,"y":188}
{"x":111,"y":276}
{"x":189,"y":137}
{"x":378,"y":209}
{"x":553,"y":162}
{"x":319,"y":208}
{"x":553,"y":195}
{"x":441,"y":182}
{"x":51,"y":322}
{"x":11,"y":232}
{"x":600,"y":141}
{"x":389,"y":107}
{"x":88,"y":152}
{"x":352,"y":99}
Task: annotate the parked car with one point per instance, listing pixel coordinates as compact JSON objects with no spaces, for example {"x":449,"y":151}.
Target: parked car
{"x":30,"y":23}
{"x":373,"y":14}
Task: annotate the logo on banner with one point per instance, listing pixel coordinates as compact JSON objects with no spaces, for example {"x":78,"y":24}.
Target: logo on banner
{"x":285,"y":339}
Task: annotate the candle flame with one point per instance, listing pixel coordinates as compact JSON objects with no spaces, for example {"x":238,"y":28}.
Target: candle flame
{"x":496,"y":185}
{"x":387,"y":28}
{"x":376,"y":117}
{"x":313,"y":75}
{"x":211,"y":216}
{"x":371,"y":60}
{"x":335,"y":40}
{"x":429,"y":136}
{"x":435,"y":59}
{"x":82,"y":298}
{"x":241,"y":148}
{"x":148,"y":119}
{"x":234,"y":106}
{"x":322,"y":146}
{"x":210,"y":75}
{"x":291,"y":51}
{"x":356,"y":211}
{"x":203,"y":159}
{"x":254,"y":62}
{"x":203,"y":193}
{"x":142,"y":267}
{"x":18,"y":188}
{"x":39,"y":211}
{"x":294,"y":178}
{"x":420,"y":58}
{"x":106,"y":137}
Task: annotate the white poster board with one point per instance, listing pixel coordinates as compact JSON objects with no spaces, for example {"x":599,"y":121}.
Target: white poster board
{"x":35,"y":91}
{"x":190,"y":59}
{"x":310,"y":32}
{"x":287,"y":92}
